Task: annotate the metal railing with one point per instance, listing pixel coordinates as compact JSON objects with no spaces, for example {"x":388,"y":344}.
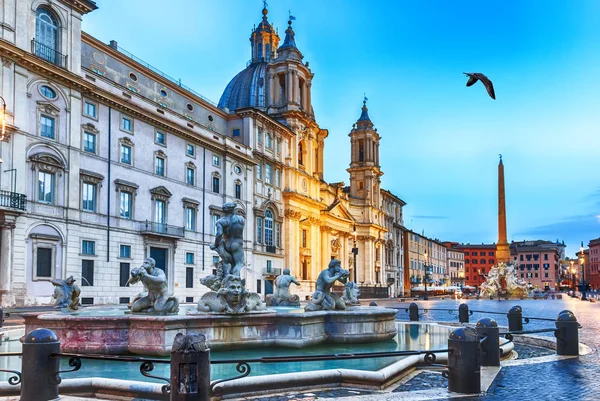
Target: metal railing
{"x":13,"y":200}
{"x":271,"y":271}
{"x":49,"y":54}
{"x":163,"y":229}
{"x":162,"y":74}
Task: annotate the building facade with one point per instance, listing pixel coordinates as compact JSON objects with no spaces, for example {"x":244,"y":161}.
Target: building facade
{"x":456,"y":265}
{"x":393,"y":250}
{"x":594,"y":262}
{"x":538,"y":262}
{"x":424,"y":255}
{"x":479,"y":259}
{"x":112,"y":161}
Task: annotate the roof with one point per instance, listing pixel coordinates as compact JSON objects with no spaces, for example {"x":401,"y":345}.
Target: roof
{"x":246,"y":89}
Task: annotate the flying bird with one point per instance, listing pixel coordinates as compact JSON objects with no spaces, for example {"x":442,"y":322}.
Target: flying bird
{"x":477,"y":76}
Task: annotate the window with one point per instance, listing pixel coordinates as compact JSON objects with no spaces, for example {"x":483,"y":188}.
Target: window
{"x":238,"y":191}
{"x":126,"y":124}
{"x":88,"y":247}
{"x":491,"y":261}
{"x":159,"y":138}
{"x":90,"y":109}
{"x":47,"y":126}
{"x":44,"y":258}
{"x":546,"y":275}
{"x":125,"y":205}
{"x":88,"y":202}
{"x":163,"y":93}
{"x":125,"y":251}
{"x":482,"y":261}
{"x":160,"y":212}
{"x":48,"y":92}
{"x":190,"y":150}
{"x":278,"y":145}
{"x":216,"y":160}
{"x":215,"y":218}
{"x":87,"y":273}
{"x":474,"y":261}
{"x":89,"y":142}
{"x":258,"y":285}
{"x":521,"y":258}
{"x":259,"y":171}
{"x":481,"y":253}
{"x":159,"y":166}
{"x":268,"y":140}
{"x":259,"y":228}
{"x":490,"y":253}
{"x":46,"y":36}
{"x":268,"y":173}
{"x":236,"y":132}
{"x":189,"y":258}
{"x":300,"y":154}
{"x":125,"y":154}
{"x":190,"y":219}
{"x":124,"y":274}
{"x":278,"y":235}
{"x":45,"y":187}
{"x":268,"y":227}
{"x":259,"y":136}
{"x":303,"y":238}
{"x":215,"y":184}
{"x":190,"y":107}
{"x":545,"y":256}
{"x":190,"y":176}
{"x":215,"y":260}
{"x":133,"y":77}
{"x":189,"y":277}
{"x":466,"y":253}
{"x":277,"y":178}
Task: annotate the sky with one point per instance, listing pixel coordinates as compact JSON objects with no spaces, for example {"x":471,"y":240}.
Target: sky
{"x":440,"y":140}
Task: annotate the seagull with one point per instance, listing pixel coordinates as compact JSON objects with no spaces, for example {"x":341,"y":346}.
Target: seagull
{"x":477,"y":76}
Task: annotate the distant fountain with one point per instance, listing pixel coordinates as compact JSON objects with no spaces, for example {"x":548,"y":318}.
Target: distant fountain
{"x":502,"y":282}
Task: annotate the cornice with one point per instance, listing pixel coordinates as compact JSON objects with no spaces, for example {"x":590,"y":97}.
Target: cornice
{"x":82,"y":6}
{"x":266,"y":120}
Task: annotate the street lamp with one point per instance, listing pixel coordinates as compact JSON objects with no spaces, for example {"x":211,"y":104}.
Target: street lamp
{"x":355,"y":252}
{"x":425,"y":296}
{"x":572,"y":277}
{"x":582,"y":285}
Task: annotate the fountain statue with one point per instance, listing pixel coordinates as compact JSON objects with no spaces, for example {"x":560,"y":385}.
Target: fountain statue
{"x":229,"y":294}
{"x":351,"y":294}
{"x":66,"y":293}
{"x":155,"y":300}
{"x":502,"y":281}
{"x":323,"y":298}
{"x":282,"y":296}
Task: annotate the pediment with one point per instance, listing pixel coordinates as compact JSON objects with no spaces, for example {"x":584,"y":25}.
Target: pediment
{"x":90,"y":128}
{"x":48,"y":108}
{"x":161,"y":192}
{"x":337,"y":209}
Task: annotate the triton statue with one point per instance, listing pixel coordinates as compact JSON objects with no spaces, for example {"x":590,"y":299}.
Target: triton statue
{"x":282,"y":296}
{"x":323,"y":298}
{"x":155,"y":300}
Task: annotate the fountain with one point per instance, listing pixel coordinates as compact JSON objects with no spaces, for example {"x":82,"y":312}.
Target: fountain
{"x":502,"y":281}
{"x":229,"y":316}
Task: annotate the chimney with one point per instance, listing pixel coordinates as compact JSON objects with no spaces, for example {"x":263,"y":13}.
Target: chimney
{"x":113,"y":44}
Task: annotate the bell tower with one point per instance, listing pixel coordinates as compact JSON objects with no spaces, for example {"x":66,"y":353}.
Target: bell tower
{"x":365,"y":172}
{"x":264,"y":40}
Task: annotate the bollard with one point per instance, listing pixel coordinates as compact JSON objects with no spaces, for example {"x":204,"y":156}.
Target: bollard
{"x":464,"y":372}
{"x":567,"y":338}
{"x":39,"y":369}
{"x":490,"y":348}
{"x":190,"y":368}
{"x":413,"y":312}
{"x":515,"y":318}
{"x":373,"y":303}
{"x":463,"y":313}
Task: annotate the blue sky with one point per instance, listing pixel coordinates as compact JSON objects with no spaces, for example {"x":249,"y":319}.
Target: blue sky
{"x":440,"y":140}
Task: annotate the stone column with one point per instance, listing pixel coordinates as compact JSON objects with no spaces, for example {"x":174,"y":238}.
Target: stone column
{"x":308,"y":84}
{"x":271,"y":99}
{"x":6,"y":257}
{"x":288,"y":86}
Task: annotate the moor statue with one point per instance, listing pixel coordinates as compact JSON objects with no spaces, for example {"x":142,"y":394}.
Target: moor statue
{"x":282,"y":296}
{"x":232,"y":298}
{"x":323,"y":298}
{"x":156,"y":300}
{"x":66,"y":293}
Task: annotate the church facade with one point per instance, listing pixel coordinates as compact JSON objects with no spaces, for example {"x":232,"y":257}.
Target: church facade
{"x":109,"y":161}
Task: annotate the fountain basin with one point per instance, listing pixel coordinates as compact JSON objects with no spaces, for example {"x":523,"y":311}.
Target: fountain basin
{"x":120,"y":333}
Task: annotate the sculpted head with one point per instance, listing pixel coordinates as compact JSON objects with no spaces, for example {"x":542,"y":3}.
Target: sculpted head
{"x":70,"y":280}
{"x":286,"y":272}
{"x":149,"y":264}
{"x":232,"y":289}
{"x":335,"y":265}
{"x":229,"y":207}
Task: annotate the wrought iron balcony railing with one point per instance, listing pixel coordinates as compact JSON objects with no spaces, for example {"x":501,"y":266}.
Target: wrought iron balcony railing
{"x":13,"y":200}
{"x":151,"y":227}
{"x":49,"y":54}
{"x":272,"y":271}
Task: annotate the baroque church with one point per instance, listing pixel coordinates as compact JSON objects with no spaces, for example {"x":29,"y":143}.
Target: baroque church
{"x":109,"y":160}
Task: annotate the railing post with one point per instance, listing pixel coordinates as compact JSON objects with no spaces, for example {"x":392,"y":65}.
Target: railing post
{"x":39,"y":369}
{"x":413,"y":312}
{"x":464,"y":371}
{"x":190,"y":368}
{"x":515,"y":318}
{"x":490,"y":348}
{"x":567,"y":334}
{"x":463,"y":313}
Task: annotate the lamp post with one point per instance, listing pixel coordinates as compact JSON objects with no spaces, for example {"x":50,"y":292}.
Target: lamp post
{"x":582,"y":285}
{"x":3,"y":118}
{"x":425,"y":296}
{"x":355,"y":252}
{"x":572,"y":277}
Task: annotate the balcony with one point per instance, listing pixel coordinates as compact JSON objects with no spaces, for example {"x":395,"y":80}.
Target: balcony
{"x":48,"y":54}
{"x":162,"y":230}
{"x":271,"y":271}
{"x":13,"y":200}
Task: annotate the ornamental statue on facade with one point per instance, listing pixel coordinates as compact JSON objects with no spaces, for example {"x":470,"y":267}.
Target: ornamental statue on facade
{"x":66,"y":294}
{"x":155,"y":300}
{"x":282,"y":296}
{"x":323,"y":298}
{"x":228,"y":294}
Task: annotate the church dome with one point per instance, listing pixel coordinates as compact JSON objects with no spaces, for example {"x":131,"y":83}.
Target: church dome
{"x":246,"y":89}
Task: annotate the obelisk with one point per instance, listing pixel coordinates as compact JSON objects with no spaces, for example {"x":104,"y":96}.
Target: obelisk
{"x":502,"y":249}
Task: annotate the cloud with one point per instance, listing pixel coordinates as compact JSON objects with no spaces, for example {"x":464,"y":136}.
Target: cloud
{"x":429,"y":217}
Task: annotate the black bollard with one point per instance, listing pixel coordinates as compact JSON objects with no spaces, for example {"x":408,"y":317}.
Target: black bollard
{"x":567,"y":336}
{"x":413,"y":312}
{"x":373,"y":303}
{"x":39,"y":368}
{"x":190,"y":368}
{"x":464,"y":371}
{"x":490,"y":348}
{"x":515,"y":318}
{"x":463,"y":313}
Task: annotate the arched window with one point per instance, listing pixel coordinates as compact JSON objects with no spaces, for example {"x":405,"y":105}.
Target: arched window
{"x":300,"y":154}
{"x":269,"y":227}
{"x":46,"y":35}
